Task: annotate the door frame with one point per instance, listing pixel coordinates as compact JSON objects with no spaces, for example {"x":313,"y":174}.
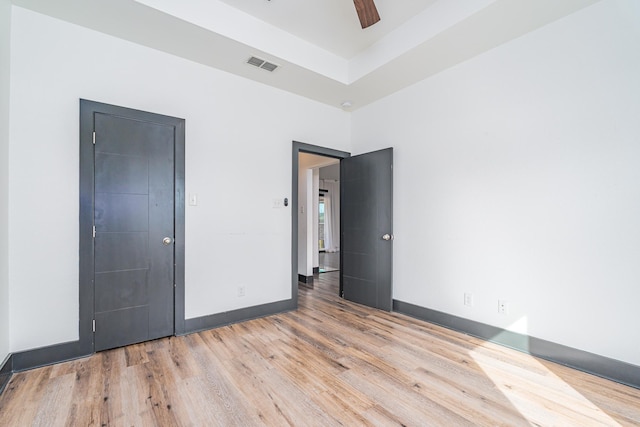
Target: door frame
{"x":87,"y":203}
{"x":301,"y":147}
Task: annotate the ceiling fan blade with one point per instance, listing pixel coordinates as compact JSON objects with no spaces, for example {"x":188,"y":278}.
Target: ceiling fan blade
{"x":367,"y":12}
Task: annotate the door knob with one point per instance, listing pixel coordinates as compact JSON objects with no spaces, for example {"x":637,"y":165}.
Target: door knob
{"x":387,"y":237}
{"x":167,"y":241}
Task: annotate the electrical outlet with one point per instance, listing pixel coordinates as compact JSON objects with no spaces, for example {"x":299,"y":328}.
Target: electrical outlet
{"x":241,"y":291}
{"x":468,"y":299}
{"x":503,"y":306}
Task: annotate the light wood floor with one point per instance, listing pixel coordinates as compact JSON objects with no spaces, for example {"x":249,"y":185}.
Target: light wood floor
{"x":329,"y":363}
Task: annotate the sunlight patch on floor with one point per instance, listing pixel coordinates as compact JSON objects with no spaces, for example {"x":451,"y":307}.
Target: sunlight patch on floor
{"x":540,"y":395}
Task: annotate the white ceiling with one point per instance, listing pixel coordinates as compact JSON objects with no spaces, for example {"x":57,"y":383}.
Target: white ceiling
{"x":313,"y":161}
{"x":332,"y":24}
{"x":323,"y":53}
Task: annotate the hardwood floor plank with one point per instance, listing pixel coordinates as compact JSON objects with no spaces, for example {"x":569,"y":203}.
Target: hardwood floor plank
{"x":224,"y":397}
{"x":616,"y":400}
{"x":86,"y":389}
{"x":136,"y":354}
{"x":179,"y":358}
{"x":330,"y":363}
{"x":53,"y":410}
{"x":484,"y":408}
{"x":390,"y":393}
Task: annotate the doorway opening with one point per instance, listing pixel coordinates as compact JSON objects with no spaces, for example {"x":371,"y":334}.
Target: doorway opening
{"x":329,"y":218}
{"x":313,"y":249}
{"x":366,"y":223}
{"x":319,"y":216}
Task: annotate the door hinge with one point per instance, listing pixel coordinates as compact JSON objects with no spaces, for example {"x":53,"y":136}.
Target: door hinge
{"x":94,"y":325}
{"x":94,"y":137}
{"x":94,"y":231}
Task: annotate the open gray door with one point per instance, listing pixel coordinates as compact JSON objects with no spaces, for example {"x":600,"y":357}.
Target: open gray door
{"x":367,"y":228}
{"x":134,"y":230}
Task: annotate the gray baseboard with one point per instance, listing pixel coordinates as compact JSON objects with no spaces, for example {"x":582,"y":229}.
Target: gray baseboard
{"x":6,"y":370}
{"x":316,"y":270}
{"x":30,"y":359}
{"x":203,"y":323}
{"x":48,"y":355}
{"x":308,"y":280}
{"x":612,"y":369}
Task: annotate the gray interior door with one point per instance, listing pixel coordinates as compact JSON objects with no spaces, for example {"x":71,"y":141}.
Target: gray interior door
{"x":367,"y":228}
{"x":134,"y":231}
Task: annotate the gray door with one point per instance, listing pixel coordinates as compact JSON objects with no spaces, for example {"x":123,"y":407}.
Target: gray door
{"x":134,"y":231}
{"x":367,"y":228}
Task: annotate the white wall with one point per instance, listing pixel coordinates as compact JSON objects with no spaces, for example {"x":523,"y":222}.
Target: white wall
{"x":5,"y":36}
{"x":330,"y":172}
{"x":305,"y":219}
{"x":238,"y":148}
{"x":517,"y":177}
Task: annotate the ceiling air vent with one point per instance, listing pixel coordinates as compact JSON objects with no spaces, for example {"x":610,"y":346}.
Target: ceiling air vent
{"x":261,"y":63}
